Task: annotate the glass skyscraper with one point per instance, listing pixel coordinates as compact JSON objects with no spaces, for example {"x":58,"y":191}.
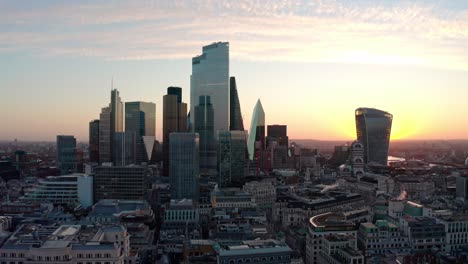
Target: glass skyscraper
{"x":236,"y":121}
{"x":257,"y":130}
{"x":67,"y":158}
{"x":231,"y":157}
{"x":140,"y":119}
{"x":94,"y":141}
{"x":124,"y":148}
{"x":373,"y":129}
{"x":174,"y":120}
{"x":184,"y":165}
{"x":116,"y":116}
{"x":210,"y":76}
{"x":104,"y":135}
{"x":204,"y":126}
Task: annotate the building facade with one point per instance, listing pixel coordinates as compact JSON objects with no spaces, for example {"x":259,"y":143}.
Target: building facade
{"x":67,"y":158}
{"x":184,"y":165}
{"x":210,"y":76}
{"x":124,"y":148}
{"x":235,"y":113}
{"x":257,"y":131}
{"x":231,"y":157}
{"x":94,"y":141}
{"x":373,"y":128}
{"x":204,"y":126}
{"x":125,"y":183}
{"x":140,"y":119}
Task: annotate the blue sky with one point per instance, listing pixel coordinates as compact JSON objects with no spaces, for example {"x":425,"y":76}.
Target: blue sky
{"x":311,"y":62}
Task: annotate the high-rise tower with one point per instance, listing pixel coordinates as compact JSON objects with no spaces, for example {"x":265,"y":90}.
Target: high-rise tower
{"x":235,"y":114}
{"x":67,"y":158}
{"x":373,"y":129}
{"x":94,"y":141}
{"x":210,"y":76}
{"x":140,"y":119}
{"x":105,"y":135}
{"x":174,"y":120}
{"x":257,"y":130}
{"x":116,"y":116}
{"x":204,"y":126}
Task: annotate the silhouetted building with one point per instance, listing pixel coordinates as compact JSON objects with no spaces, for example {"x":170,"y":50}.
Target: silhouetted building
{"x":210,"y":76}
{"x":174,"y":120}
{"x":184,"y":165}
{"x":373,"y":128}
{"x":124,"y":148}
{"x":94,"y":141}
{"x":235,"y":113}
{"x":204,"y":126}
{"x":140,"y":119}
{"x":278,"y":133}
{"x":66,"y":154}
{"x":231,"y":157}
{"x":120,"y":183}
{"x":462,"y":187}
{"x":8,"y":171}
{"x":104,"y":135}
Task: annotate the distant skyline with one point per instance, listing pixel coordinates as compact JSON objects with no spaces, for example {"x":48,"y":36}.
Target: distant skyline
{"x":311,"y":63}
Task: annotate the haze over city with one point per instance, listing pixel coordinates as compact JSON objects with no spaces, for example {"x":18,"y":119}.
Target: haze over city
{"x":311,"y":63}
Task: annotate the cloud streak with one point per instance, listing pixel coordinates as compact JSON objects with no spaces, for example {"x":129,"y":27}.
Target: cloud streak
{"x":314,"y":31}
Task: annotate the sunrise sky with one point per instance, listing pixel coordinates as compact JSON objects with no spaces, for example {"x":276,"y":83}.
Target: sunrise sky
{"x":312,"y":63}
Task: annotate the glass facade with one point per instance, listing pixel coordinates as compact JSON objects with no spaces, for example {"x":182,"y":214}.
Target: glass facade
{"x":140,"y":119}
{"x":124,"y":148}
{"x":104,"y":135}
{"x":94,"y":141}
{"x":257,"y":130}
{"x":204,"y":126}
{"x":231,"y":157}
{"x":210,"y":76}
{"x":67,"y":158}
{"x":373,"y":129}
{"x":120,"y":183}
{"x":174,"y":120}
{"x":236,"y":121}
{"x":184,"y":165}
{"x":116,"y":116}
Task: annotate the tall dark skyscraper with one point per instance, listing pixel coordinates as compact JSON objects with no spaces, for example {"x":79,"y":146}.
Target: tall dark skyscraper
{"x":105,"y":135}
{"x":278,"y":133}
{"x":204,"y":126}
{"x":236,"y":121}
{"x":174,"y":120}
{"x":67,"y":157}
{"x":94,"y":141}
{"x":373,"y":129}
{"x":140,"y":119}
{"x":116,"y":117}
{"x":184,"y":165}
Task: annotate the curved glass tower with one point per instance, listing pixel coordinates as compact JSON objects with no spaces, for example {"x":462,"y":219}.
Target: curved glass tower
{"x":257,"y":129}
{"x":373,"y":129}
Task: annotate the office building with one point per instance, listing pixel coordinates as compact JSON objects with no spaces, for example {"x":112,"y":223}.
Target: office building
{"x":339,"y":248}
{"x":104,"y":135}
{"x":235,"y":113}
{"x":124,"y":148}
{"x":210,"y":76}
{"x":257,"y":131}
{"x":373,"y":128}
{"x":324,"y":225}
{"x":356,"y":157}
{"x":204,"y":126}
{"x":380,"y":238}
{"x":462,"y":187}
{"x":254,"y":251}
{"x":67,"y":158}
{"x":278,"y":133}
{"x":184,"y":165}
{"x":122,"y":183}
{"x":456,"y":232}
{"x":116,"y":118}
{"x":174,"y":120}
{"x":264,"y":193}
{"x":231,"y":157}
{"x":93,"y":149}
{"x":69,"y":190}
{"x":140,"y":119}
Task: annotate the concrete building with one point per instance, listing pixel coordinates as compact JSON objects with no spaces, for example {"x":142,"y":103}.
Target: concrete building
{"x":181,"y":214}
{"x":263,"y":192}
{"x":381,"y":238}
{"x":254,"y":251}
{"x":416,"y":187}
{"x":70,"y":189}
{"x":424,"y":234}
{"x":121,"y":183}
{"x":324,"y":225}
{"x":339,"y":249}
{"x":456,"y":232}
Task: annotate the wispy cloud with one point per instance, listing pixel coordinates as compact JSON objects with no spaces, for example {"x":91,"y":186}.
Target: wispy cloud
{"x":312,"y":31}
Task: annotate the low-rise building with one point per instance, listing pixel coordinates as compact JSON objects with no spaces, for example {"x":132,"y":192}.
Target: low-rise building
{"x":339,"y":249}
{"x":254,"y":251}
{"x":263,"y":192}
{"x":381,"y":238}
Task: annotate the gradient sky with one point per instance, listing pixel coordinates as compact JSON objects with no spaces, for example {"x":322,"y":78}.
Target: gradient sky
{"x":310,"y":62}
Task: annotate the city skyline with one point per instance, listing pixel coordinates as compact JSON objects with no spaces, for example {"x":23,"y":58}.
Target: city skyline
{"x":387,"y":60}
